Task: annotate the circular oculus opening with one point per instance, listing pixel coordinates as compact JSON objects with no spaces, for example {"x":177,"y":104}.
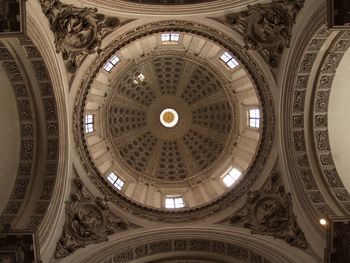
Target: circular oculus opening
{"x":169,"y":118}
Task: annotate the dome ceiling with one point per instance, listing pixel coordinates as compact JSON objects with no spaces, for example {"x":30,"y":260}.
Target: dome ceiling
{"x":162,"y":120}
{"x":194,"y":143}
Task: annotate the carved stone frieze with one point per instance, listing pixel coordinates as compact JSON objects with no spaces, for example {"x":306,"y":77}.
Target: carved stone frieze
{"x":88,"y":220}
{"x":197,"y":245}
{"x":267,"y":27}
{"x":269,"y":212}
{"x":78,"y":31}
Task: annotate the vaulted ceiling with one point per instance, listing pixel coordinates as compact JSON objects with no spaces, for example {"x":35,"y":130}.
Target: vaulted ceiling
{"x":91,"y":166}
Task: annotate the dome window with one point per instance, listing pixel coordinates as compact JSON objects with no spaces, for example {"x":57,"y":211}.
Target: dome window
{"x":231,"y":177}
{"x":115,"y":181}
{"x":170,"y":38}
{"x":254,"y":118}
{"x":229,"y":60}
{"x":111,"y":63}
{"x":89,"y":123}
{"x":174,"y":201}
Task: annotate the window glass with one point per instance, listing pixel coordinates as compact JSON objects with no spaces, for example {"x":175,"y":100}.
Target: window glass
{"x":254,"y":118}
{"x":231,"y":177}
{"x":115,"y":181}
{"x":170,"y":38}
{"x":111,"y":63}
{"x":174,"y":202}
{"x":89,"y":123}
{"x":229,"y":60}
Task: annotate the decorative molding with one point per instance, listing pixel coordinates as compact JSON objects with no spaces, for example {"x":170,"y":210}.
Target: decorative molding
{"x":27,"y":121}
{"x":300,"y":171}
{"x":88,"y":220}
{"x":319,"y":102}
{"x":268,"y":211}
{"x":268,"y":126}
{"x":322,"y":88}
{"x":27,"y":124}
{"x":267,"y":27}
{"x":187,"y":245}
{"x":77,"y":31}
{"x":44,"y":84}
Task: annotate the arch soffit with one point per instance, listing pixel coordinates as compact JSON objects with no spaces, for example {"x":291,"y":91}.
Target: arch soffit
{"x":226,"y":243}
{"x":304,"y":125}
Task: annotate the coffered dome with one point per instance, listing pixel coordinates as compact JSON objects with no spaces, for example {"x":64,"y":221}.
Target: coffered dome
{"x":169,"y":118}
{"x":171,"y":121}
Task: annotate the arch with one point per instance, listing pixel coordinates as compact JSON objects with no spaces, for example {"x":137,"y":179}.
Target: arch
{"x":223,"y":244}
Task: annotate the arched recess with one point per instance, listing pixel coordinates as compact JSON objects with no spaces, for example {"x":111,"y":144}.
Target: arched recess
{"x":307,"y":156}
{"x":214,"y":244}
{"x":39,"y":135}
{"x":9,"y":135}
{"x":339,"y":120}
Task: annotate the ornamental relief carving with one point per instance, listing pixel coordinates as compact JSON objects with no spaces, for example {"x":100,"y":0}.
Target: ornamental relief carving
{"x":267,"y":27}
{"x":303,"y":66}
{"x":177,"y":245}
{"x":88,"y":220}
{"x":77,"y":31}
{"x":27,"y":140}
{"x":28,"y":128}
{"x":319,"y":105}
{"x":268,"y":211}
{"x":322,"y":88}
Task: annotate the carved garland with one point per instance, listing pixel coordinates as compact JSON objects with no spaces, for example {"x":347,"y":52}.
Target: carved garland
{"x":267,"y":28}
{"x":88,"y":220}
{"x":267,"y":133}
{"x":268,"y":211}
{"x":77,"y":31}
